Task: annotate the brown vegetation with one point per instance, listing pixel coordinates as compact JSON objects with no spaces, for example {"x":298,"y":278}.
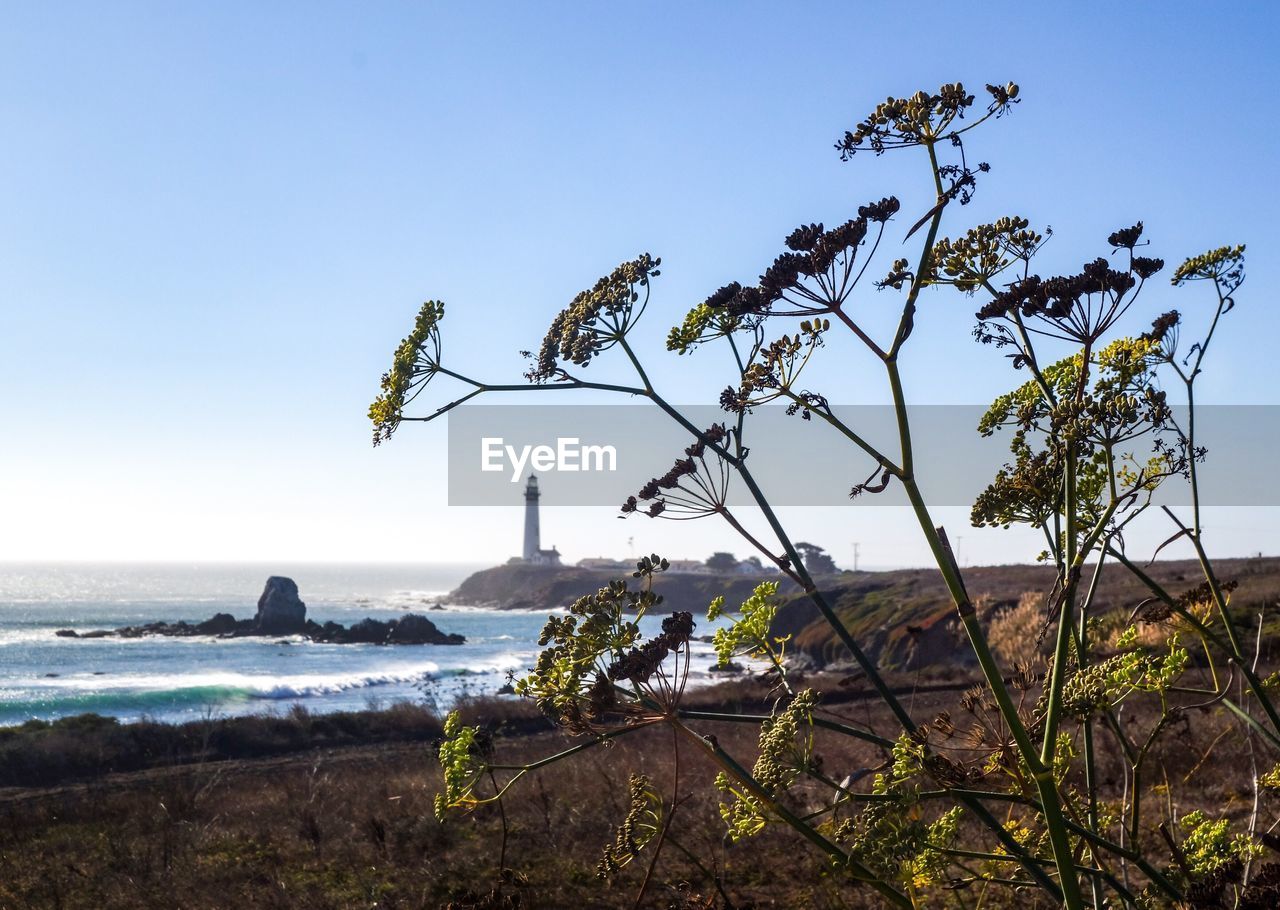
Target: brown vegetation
{"x":353,"y":827}
{"x":904,"y":618}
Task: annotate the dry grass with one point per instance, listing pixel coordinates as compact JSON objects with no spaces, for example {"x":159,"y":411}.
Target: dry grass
{"x":352,"y":827}
{"x":1014,"y":633}
{"x":303,"y":812}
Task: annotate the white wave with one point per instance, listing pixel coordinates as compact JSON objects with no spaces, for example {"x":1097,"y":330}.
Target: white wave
{"x":114,"y":640}
{"x":443,"y":606}
{"x":257,"y":685}
{"x":510,"y":661}
{"x":404,"y":600}
{"x":26,"y":636}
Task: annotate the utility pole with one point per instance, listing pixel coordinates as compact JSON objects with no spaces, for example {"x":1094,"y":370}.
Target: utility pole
{"x":855,"y":555}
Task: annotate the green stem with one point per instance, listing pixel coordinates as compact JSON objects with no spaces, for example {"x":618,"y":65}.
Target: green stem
{"x":816,"y":721}
{"x":865,"y":663}
{"x":1070,"y":579}
{"x":844,"y":430}
{"x":1231,"y":646}
{"x":573,"y":750}
{"x":736,"y":771}
{"x":1045,"y":784}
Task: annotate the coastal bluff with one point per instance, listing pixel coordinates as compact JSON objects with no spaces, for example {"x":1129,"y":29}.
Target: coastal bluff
{"x":904,"y":619}
{"x":282,"y":613}
{"x":527,"y":586}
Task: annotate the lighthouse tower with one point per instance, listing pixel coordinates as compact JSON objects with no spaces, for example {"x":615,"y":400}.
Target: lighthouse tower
{"x":532,"y":533}
{"x":533,"y":552}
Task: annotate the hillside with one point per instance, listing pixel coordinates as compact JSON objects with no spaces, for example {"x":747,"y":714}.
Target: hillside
{"x":904,"y":618}
{"x":520,"y":586}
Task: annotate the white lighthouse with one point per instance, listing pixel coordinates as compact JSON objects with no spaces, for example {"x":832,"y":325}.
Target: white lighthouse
{"x":533,"y":552}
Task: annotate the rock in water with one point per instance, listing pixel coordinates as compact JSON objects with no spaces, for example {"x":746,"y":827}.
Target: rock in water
{"x":218,"y":624}
{"x":365,"y":632}
{"x":412,"y":629}
{"x":280,"y":612}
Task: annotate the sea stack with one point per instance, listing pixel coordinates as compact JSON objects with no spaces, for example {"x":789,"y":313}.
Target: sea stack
{"x":280,"y":612}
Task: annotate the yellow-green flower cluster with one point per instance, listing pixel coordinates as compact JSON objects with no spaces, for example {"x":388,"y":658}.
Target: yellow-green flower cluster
{"x":891,"y":839}
{"x":1122,"y":404}
{"x":1270,"y":780}
{"x":750,"y":634}
{"x":461,"y":765}
{"x":571,"y":679}
{"x":907,"y":760}
{"x":1221,"y":263}
{"x":744,"y":815}
{"x":929,"y":865}
{"x":568,"y":680}
{"x":786,"y":745}
{"x":701,"y":324}
{"x":416,"y":360}
{"x":780,"y":756}
{"x":1107,"y":683}
{"x":1208,"y":845}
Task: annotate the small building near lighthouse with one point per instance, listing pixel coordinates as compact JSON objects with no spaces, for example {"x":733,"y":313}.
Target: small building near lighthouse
{"x":533,"y":552}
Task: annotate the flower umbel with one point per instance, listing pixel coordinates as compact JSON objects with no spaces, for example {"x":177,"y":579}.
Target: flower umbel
{"x":696,"y":485}
{"x":596,"y":318}
{"x":462,"y":762}
{"x":638,"y":828}
{"x":416,"y":361}
{"x":973,"y":260}
{"x":1225,"y":264}
{"x":923,"y":117}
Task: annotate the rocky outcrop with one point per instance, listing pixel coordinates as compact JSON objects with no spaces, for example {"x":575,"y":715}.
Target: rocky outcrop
{"x":521,"y":586}
{"x":280,"y":611}
{"x":410,"y":629}
{"x":218,"y":624}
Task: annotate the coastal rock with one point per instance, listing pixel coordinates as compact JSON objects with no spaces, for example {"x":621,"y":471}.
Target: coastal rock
{"x":328,"y":632}
{"x":280,"y":611}
{"x":730,"y":668}
{"x":365,"y":632}
{"x":412,"y":629}
{"x":218,"y":624}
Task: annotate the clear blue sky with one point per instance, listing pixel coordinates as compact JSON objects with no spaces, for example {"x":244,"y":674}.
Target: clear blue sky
{"x":216,"y":221}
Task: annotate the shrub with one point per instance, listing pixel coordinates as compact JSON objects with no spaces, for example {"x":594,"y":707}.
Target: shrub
{"x":1005,"y":795}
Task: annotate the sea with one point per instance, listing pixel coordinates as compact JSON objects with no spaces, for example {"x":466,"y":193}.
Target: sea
{"x":44,"y":676}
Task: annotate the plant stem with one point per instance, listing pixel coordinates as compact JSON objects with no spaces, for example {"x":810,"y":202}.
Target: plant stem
{"x":736,"y":771}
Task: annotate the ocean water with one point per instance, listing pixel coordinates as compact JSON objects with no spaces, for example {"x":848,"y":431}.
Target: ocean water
{"x":174,"y":679}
